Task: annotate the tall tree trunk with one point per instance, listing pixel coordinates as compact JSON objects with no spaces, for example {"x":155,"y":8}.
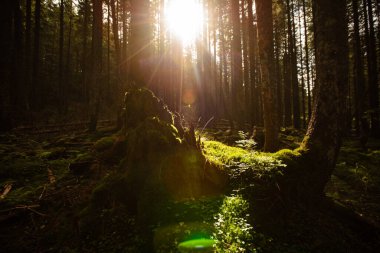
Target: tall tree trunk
{"x":247,"y":93}
{"x":85,"y":88}
{"x":307,"y":62}
{"x":252,"y":64}
{"x":293,"y":67}
{"x":359,"y":81}
{"x":96,"y":61}
{"x":236,"y":62}
{"x":279,"y":82}
{"x":36,"y":89}
{"x":17,"y":90}
{"x":140,"y":42}
{"x":60,"y":56}
{"x":373,"y":76}
{"x":115,"y":31}
{"x":68,"y":69}
{"x":5,"y":63}
{"x":287,"y":89}
{"x":265,"y":36}
{"x":302,"y":70}
{"x":323,"y":138}
{"x":28,"y":50}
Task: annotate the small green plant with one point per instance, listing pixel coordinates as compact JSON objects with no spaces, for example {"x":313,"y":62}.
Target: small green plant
{"x":232,"y":231}
{"x":245,"y":142}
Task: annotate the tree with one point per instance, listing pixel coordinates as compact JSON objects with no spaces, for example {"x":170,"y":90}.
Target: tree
{"x":373,"y":85}
{"x":35,"y":91}
{"x":266,"y":48}
{"x":140,"y":42}
{"x":96,"y":63}
{"x":236,"y":61}
{"x":359,"y":83}
{"x":323,"y":138}
{"x":60,"y":64}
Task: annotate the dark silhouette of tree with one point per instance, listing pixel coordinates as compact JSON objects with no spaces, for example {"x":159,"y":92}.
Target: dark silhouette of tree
{"x":96,"y":63}
{"x":324,"y":135}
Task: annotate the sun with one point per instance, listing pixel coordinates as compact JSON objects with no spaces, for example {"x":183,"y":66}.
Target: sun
{"x":184,"y":19}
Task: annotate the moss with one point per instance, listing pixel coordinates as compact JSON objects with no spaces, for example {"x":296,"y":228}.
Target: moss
{"x":141,"y":104}
{"x":149,"y":140}
{"x":289,"y":157}
{"x":224,"y":155}
{"x":104,"y":143}
{"x":113,"y":187}
{"x":84,"y":157}
{"x":53,"y":154}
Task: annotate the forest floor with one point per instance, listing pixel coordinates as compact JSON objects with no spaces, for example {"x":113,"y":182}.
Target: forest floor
{"x":47,"y":179}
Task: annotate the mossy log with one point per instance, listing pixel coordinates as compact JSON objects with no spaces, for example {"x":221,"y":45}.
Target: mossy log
{"x":159,"y":162}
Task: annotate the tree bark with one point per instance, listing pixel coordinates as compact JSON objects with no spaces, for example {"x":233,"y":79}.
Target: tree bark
{"x":60,"y":56}
{"x":28,"y":50}
{"x":373,"y":81}
{"x":96,"y":61}
{"x":236,"y":62}
{"x":35,"y":96}
{"x":359,"y":81}
{"x":323,"y":138}
{"x":307,"y":62}
{"x":265,"y":37}
{"x":140,"y":42}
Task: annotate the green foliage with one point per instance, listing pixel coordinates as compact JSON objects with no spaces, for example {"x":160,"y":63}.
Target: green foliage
{"x":245,"y":142}
{"x":233,"y":232}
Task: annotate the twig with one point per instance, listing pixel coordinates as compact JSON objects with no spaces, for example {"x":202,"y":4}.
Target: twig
{"x":7,"y":189}
{"x":24,"y":207}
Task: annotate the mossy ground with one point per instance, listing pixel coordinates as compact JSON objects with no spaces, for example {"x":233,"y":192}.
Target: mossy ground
{"x":42,"y":214}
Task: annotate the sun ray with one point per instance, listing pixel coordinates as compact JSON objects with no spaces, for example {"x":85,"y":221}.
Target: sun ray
{"x":184,"y":19}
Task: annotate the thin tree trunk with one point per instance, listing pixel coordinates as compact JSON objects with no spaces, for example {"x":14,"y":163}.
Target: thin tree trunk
{"x":307,"y":61}
{"x":96,"y":61}
{"x":255,"y":93}
{"x":359,"y":81}
{"x":85,"y":88}
{"x":67,"y":76}
{"x":294,"y":69}
{"x":302,"y":71}
{"x":36,"y":89}
{"x":236,"y":62}
{"x":247,"y":93}
{"x":373,"y":75}
{"x":115,"y":31}
{"x":28,"y":51}
{"x":60,"y":56}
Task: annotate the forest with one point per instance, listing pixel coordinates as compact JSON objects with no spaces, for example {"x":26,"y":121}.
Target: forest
{"x":161,"y":126}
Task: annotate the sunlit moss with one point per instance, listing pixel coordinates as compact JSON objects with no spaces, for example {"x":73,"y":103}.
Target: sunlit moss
{"x":222,"y":154}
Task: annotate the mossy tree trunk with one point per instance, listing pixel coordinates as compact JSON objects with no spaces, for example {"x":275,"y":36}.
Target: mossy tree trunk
{"x":323,"y":138}
{"x":265,"y":39}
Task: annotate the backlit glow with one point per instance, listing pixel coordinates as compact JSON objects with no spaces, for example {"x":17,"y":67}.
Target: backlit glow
{"x":184,"y":19}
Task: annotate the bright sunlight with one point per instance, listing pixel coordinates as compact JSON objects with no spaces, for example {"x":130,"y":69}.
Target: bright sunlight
{"x":184,"y":19}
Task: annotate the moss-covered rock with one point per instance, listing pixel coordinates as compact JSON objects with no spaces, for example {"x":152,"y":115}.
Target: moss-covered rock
{"x":141,"y":104}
